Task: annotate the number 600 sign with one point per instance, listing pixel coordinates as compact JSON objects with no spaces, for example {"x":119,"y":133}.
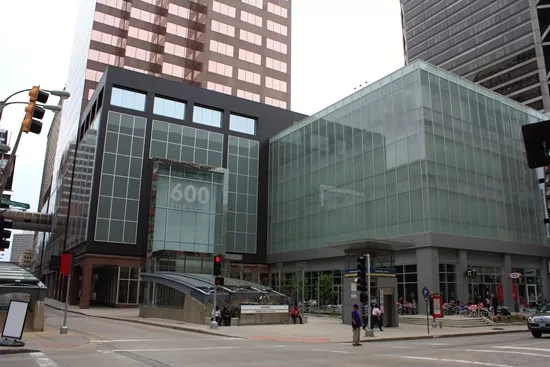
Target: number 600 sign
{"x":190,"y":193}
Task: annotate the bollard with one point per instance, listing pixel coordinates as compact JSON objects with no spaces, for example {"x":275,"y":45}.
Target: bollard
{"x":441,"y":324}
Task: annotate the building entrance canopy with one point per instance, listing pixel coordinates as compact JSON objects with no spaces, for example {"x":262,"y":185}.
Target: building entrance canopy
{"x":367,"y":244}
{"x":201,"y":288}
{"x":16,"y":279}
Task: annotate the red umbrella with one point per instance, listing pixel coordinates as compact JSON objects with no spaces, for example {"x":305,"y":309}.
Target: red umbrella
{"x":500,"y":292}
{"x":515,"y":290}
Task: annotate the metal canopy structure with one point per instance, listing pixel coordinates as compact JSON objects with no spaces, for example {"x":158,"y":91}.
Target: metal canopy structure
{"x":201,"y":287}
{"x":371,"y":244}
{"x":16,"y":279}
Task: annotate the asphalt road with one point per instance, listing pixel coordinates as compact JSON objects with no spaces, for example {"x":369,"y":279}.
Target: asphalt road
{"x":121,"y":344}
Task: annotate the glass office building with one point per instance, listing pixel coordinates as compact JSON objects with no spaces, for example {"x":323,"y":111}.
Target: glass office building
{"x":422,"y":157}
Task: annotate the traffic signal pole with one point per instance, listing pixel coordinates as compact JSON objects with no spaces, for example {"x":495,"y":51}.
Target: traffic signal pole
{"x":214,"y":322}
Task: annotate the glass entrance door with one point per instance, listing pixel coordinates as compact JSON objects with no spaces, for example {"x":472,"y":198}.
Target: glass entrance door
{"x":531,"y":294}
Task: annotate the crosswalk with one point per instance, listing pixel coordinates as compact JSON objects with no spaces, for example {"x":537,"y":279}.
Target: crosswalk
{"x":485,"y":355}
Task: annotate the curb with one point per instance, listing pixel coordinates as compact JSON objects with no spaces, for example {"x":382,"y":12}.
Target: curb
{"x":139,"y":322}
{"x":18,"y":351}
{"x":440,"y":336}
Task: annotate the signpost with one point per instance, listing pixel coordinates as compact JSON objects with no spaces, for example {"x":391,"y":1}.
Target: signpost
{"x":14,"y":203}
{"x":426,"y":294}
{"x":437,"y":308}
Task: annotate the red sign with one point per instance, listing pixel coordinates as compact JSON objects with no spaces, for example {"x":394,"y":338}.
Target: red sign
{"x":437,"y":306}
{"x":66,"y":262}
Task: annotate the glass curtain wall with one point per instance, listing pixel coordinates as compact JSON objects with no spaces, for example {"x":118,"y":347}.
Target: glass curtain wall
{"x":421,"y":150}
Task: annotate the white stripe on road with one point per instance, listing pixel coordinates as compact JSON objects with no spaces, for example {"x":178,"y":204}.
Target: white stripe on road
{"x":450,"y":361}
{"x":42,"y":360}
{"x":99,"y":341}
{"x":191,"y":349}
{"x":508,"y":352}
{"x":525,"y":348}
{"x":331,"y":351}
{"x":435,"y":344}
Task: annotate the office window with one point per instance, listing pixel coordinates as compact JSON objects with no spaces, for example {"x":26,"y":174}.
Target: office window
{"x":169,"y":108}
{"x":221,"y":48}
{"x":276,"y":46}
{"x":275,"y":102}
{"x":207,"y":116}
{"x":277,"y":10}
{"x":248,"y":95}
{"x":219,"y":68}
{"x":251,"y":18}
{"x":224,"y":9}
{"x":128,"y":99}
{"x":249,"y":77}
{"x":275,"y":84}
{"x":277,"y":28}
{"x":218,"y":87}
{"x":276,"y":64}
{"x":245,"y":125}
{"x":250,"y":56}
{"x":251,"y":37}
{"x":256,"y":3}
{"x":223,"y":28}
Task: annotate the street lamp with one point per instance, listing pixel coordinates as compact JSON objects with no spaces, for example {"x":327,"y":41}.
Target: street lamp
{"x":58,"y":93}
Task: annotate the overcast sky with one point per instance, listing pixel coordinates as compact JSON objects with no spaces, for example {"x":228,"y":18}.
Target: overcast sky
{"x":336,"y":46}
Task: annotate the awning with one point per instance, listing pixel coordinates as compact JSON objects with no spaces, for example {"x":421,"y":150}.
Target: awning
{"x":16,"y":279}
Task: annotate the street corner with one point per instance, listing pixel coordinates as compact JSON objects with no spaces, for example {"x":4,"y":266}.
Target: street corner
{"x":290,"y":339}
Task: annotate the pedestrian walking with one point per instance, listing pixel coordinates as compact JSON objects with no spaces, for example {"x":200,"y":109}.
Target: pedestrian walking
{"x":376,"y":317}
{"x":356,"y":324}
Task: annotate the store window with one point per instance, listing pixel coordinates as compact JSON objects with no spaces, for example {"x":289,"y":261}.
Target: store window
{"x":128,"y":285}
{"x":529,"y":286}
{"x":484,"y":284}
{"x":407,"y":283}
{"x":447,"y":282}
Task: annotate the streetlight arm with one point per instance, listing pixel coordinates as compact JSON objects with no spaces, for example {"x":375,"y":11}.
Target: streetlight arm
{"x":3,"y":103}
{"x":59,"y":93}
{"x":50,"y":107}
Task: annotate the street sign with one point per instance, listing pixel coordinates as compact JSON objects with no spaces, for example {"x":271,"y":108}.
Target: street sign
{"x":426,"y":292}
{"x":14,"y":203}
{"x":470,"y":273}
{"x":515,"y":275}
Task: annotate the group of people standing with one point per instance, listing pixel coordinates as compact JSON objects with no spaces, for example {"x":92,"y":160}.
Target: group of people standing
{"x":358,"y":322}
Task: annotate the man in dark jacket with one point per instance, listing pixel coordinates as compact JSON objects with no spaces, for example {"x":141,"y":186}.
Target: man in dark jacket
{"x":356,"y":324}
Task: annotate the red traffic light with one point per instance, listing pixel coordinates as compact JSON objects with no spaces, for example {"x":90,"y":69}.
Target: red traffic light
{"x":218,"y":259}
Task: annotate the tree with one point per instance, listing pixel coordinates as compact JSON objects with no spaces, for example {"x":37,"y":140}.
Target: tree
{"x":297,"y":285}
{"x":326,"y":289}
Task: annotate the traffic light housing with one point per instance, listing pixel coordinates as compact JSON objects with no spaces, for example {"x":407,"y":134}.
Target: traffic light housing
{"x":5,"y":234}
{"x":219,"y":281}
{"x":217,"y":265}
{"x":33,"y":112}
{"x":536,"y":138}
{"x":362,"y":278}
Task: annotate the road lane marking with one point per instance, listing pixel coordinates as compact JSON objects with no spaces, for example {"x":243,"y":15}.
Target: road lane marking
{"x":434,"y":344}
{"x":99,"y":341}
{"x":331,"y":351}
{"x":508,"y":352}
{"x":448,"y":360}
{"x":525,"y":348}
{"x":42,"y":360}
{"x":189,"y":349}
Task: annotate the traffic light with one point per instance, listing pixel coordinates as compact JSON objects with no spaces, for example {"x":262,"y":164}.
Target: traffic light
{"x":218,"y":265}
{"x":536,"y":138}
{"x":219,"y":281}
{"x":362,"y":278}
{"x":5,"y":234}
{"x":33,"y":112}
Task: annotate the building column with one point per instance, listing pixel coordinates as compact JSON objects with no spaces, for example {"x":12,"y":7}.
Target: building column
{"x":427,"y":265}
{"x":87,"y":268}
{"x":507,"y":282}
{"x":545,"y":278}
{"x":462,"y":282}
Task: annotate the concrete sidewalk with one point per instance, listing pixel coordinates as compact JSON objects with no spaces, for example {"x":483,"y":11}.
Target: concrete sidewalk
{"x":317,"y":330}
{"x":47,"y":340}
